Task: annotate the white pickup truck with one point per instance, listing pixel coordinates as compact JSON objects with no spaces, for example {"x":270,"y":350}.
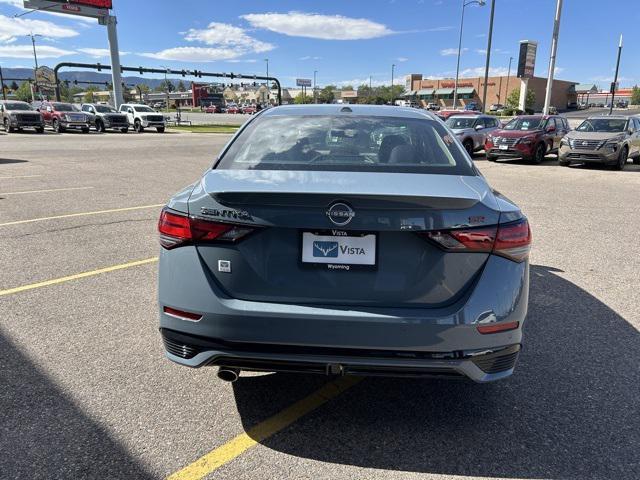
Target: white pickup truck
{"x":143,"y":116}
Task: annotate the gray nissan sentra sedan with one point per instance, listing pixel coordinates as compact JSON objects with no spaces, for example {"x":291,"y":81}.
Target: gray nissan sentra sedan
{"x":344,"y":240}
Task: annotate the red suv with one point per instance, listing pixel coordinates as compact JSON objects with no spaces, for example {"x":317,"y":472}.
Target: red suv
{"x":529,"y":137}
{"x":63,"y":116}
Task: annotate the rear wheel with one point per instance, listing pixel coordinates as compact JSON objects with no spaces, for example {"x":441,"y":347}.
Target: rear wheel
{"x":124,"y":130}
{"x":622,"y":159}
{"x":40,"y":129}
{"x":538,"y":155}
{"x":468,"y":146}
{"x":57,"y":127}
{"x":160,"y":129}
{"x":85,"y":130}
{"x":6,"y":126}
{"x":491,"y":158}
{"x":100,"y":126}
{"x":137,"y":126}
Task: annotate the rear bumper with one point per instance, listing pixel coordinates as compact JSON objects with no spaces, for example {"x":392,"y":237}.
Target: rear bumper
{"x":394,"y":339}
{"x":480,"y":366}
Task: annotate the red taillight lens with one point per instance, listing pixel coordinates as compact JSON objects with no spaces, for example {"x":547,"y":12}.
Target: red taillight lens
{"x":511,"y":240}
{"x":177,"y":229}
{"x":497,"y":327}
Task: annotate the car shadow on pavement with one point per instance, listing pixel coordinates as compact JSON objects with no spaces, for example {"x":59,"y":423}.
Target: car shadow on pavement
{"x":44,"y":434}
{"x":4,"y":161}
{"x":570,"y":410}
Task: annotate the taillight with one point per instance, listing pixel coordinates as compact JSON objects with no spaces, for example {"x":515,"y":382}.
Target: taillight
{"x":177,"y":229}
{"x":181,"y":314}
{"x":510,"y":240}
{"x":486,"y":328}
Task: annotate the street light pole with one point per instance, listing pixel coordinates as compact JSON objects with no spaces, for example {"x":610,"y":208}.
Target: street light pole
{"x":506,"y":89}
{"x":486,"y":67}
{"x":315,"y":97}
{"x":552,"y":58}
{"x":268,"y":85}
{"x":393,"y":67}
{"x":455,"y":85}
{"x":166,"y":85}
{"x":4,"y":94}
{"x":35,"y":60}
{"x":615,"y":78}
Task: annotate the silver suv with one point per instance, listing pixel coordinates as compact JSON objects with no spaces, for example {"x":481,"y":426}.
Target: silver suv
{"x":106,"y":117}
{"x":609,"y":140}
{"x":472,"y":130}
{"x":15,"y":115}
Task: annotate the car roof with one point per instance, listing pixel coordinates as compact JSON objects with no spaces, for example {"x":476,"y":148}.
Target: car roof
{"x":338,"y":109}
{"x":473,"y":115}
{"x":615,"y":117}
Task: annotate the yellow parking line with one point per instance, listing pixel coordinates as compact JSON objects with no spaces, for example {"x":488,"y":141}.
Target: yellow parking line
{"x":46,"y":191}
{"x":240,"y":444}
{"x":77,"y":276}
{"x":81,"y":214}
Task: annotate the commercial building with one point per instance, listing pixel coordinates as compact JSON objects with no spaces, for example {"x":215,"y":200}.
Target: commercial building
{"x":470,"y":90}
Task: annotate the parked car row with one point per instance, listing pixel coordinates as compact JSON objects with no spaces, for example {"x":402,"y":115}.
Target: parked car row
{"x":61,"y":117}
{"x":609,"y":140}
{"x":249,"y":109}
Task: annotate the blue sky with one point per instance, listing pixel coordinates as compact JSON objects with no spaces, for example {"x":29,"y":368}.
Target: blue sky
{"x":345,"y":41}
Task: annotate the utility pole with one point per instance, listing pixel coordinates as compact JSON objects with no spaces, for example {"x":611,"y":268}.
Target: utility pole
{"x":268,"y":85}
{"x":166,"y":86}
{"x":615,"y":78}
{"x":552,"y":58}
{"x":393,"y":67}
{"x":486,"y":67}
{"x":506,"y":90}
{"x":4,"y":94}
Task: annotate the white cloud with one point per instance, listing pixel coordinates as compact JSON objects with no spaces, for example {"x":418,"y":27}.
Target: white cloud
{"x":309,"y":57}
{"x":313,"y":25}
{"x":479,"y":72}
{"x":99,"y":52}
{"x":401,"y":59}
{"x":451,"y":51}
{"x":11,"y":28}
{"x":558,"y":70}
{"x":439,"y":29}
{"x":225,"y":35}
{"x":194,"y":54}
{"x":26,"y":51}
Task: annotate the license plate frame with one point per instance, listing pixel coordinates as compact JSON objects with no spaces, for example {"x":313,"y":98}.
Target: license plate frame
{"x":353,"y":239}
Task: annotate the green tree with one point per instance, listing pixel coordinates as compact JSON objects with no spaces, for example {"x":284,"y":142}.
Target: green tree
{"x":181,"y":86}
{"x":635,"y":96}
{"x":326,"y":95}
{"x":165,"y":86}
{"x":513,"y":100}
{"x":14,"y":86}
{"x":23,"y":93}
{"x":300,"y":99}
{"x":88,"y":96}
{"x":143,"y":87}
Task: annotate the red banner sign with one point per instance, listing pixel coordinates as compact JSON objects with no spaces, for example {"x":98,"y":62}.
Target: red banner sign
{"x":108,"y":4}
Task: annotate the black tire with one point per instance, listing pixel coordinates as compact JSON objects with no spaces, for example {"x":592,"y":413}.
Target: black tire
{"x":564,"y":163}
{"x":56,"y":126}
{"x":636,"y":161}
{"x":124,"y":130}
{"x":160,"y":129}
{"x":540,"y":152}
{"x":491,"y":158}
{"x":6,"y":126}
{"x":468,"y":146}
{"x":85,"y":130}
{"x":137,"y":126}
{"x":39,"y":129}
{"x":100,"y":126}
{"x":622,"y":158}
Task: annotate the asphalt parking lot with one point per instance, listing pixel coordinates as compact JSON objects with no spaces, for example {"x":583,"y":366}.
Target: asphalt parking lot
{"x":86,"y":392}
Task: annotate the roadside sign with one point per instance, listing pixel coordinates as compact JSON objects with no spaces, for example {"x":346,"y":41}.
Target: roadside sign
{"x":527,"y":58}
{"x":82,"y":8}
{"x":45,"y":77}
{"x":303,"y":82}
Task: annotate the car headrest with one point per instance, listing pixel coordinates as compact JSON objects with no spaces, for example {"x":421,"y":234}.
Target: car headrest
{"x":403,"y":154}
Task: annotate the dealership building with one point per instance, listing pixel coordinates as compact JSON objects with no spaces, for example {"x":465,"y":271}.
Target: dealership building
{"x":471,"y":89}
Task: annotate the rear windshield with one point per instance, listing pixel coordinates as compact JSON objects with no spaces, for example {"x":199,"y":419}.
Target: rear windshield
{"x":610,"y":125}
{"x":461,"y":122}
{"x":524,"y":124}
{"x":17,"y":106}
{"x":346,"y":143}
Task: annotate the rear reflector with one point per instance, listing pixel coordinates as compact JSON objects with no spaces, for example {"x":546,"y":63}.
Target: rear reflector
{"x":510,"y":240}
{"x":497,"y":327}
{"x":194,"y":317}
{"x":178,"y":229}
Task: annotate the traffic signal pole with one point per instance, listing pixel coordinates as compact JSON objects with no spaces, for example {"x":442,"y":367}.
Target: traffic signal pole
{"x":552,"y":58}
{"x":116,"y":73}
{"x":615,"y":79}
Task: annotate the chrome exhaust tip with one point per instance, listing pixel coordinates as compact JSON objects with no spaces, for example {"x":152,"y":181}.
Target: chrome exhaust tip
{"x":228,"y":374}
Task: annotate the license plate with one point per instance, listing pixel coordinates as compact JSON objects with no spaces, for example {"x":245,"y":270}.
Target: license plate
{"x":504,"y":147}
{"x":343,"y":249}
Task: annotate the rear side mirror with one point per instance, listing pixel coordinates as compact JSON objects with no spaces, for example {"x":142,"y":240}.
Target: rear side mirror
{"x":479,"y":127}
{"x":551,"y":128}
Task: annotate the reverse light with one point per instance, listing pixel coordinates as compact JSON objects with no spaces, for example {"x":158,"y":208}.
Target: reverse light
{"x":509,"y":240}
{"x":177,"y":229}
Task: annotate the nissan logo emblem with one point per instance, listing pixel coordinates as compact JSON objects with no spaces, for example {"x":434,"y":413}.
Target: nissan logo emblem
{"x":340,"y":214}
